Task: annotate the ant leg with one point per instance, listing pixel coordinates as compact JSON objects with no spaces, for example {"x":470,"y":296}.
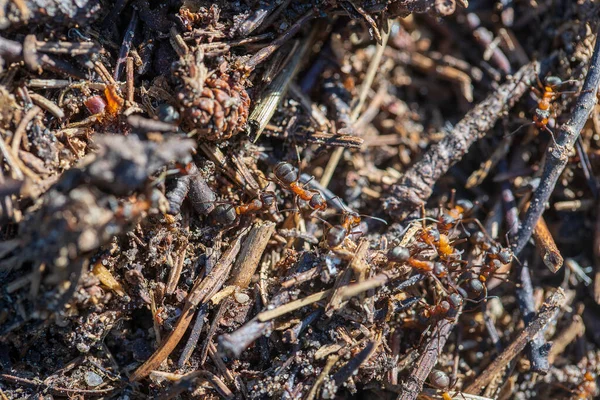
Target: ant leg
{"x":480,"y":225}
{"x":551,"y":134}
{"x":308,"y":181}
{"x":539,"y":81}
{"x":423,"y":214}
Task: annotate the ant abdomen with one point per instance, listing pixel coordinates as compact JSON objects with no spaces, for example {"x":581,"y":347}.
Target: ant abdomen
{"x":224,"y":214}
{"x":336,"y":236}
{"x":399,"y":254}
{"x":317,"y":202}
{"x":439,"y":379}
{"x":285,"y":172}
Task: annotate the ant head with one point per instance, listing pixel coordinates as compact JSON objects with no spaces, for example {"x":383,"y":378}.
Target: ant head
{"x":447,"y":220}
{"x":399,"y":254}
{"x":336,"y":235}
{"x":435,"y":233}
{"x":552,"y":80}
{"x":505,"y":256}
{"x":440,"y":270}
{"x":317,"y":202}
{"x":466,"y":205}
{"x":268,"y":198}
{"x":285,"y":172}
{"x":224,"y":214}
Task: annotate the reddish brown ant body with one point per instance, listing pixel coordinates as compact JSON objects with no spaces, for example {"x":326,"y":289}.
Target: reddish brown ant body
{"x":495,"y":258}
{"x":546,"y":94}
{"x":338,"y":233}
{"x":228,"y":214}
{"x":401,"y":254}
{"x":287,"y":176}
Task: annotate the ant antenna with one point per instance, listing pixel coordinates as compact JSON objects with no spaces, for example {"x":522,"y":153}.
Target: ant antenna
{"x":375,"y":218}
{"x":323,"y":220}
{"x":519,"y":128}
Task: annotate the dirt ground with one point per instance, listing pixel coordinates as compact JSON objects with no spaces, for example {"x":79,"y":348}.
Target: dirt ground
{"x":320,"y":199}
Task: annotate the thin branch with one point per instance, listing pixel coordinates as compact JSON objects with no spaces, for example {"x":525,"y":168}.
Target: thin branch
{"x":538,"y":349}
{"x":557,"y":155}
{"x":415,"y":187}
{"x":413,"y":385}
{"x":537,"y":324}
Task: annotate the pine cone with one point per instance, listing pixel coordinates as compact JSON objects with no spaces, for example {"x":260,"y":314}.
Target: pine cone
{"x":216,"y":107}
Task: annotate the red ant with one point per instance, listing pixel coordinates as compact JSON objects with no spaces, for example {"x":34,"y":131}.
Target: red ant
{"x":338,"y":233}
{"x":495,"y":258}
{"x":546,"y":96}
{"x":442,"y":310}
{"x":287,"y":176}
{"x":228,"y":214}
{"x":401,"y":254}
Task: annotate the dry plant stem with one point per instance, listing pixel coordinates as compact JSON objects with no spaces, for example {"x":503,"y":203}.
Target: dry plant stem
{"x":336,"y":301}
{"x":251,"y":253}
{"x":546,"y":246}
{"x":213,"y":328}
{"x":364,"y":90}
{"x":20,"y":131}
{"x":266,"y":51}
{"x":348,"y":369}
{"x":567,"y":336}
{"x":58,"y":391}
{"x":201,"y":292}
{"x":557,"y":155}
{"x":47,"y":105}
{"x":416,"y":185}
{"x":537,"y":324}
{"x":403,"y":8}
{"x":346,"y":293}
{"x":331,"y":360}
{"x":272,"y":96}
{"x":142,"y":124}
{"x":175,"y":272}
{"x":11,"y":160}
{"x":538,"y":349}
{"x":129,"y":69}
{"x":190,"y":345}
{"x":413,"y":384}
{"x":187,"y":381}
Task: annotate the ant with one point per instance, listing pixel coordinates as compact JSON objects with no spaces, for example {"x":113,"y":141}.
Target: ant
{"x":445,"y":309}
{"x":401,"y":254}
{"x":495,"y":258}
{"x":546,"y":94}
{"x":454,"y":215}
{"x":228,"y":214}
{"x":287,"y":176}
{"x":338,"y":233}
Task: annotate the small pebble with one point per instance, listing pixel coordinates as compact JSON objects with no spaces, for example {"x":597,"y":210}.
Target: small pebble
{"x":241,"y":297}
{"x":92,"y":379}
